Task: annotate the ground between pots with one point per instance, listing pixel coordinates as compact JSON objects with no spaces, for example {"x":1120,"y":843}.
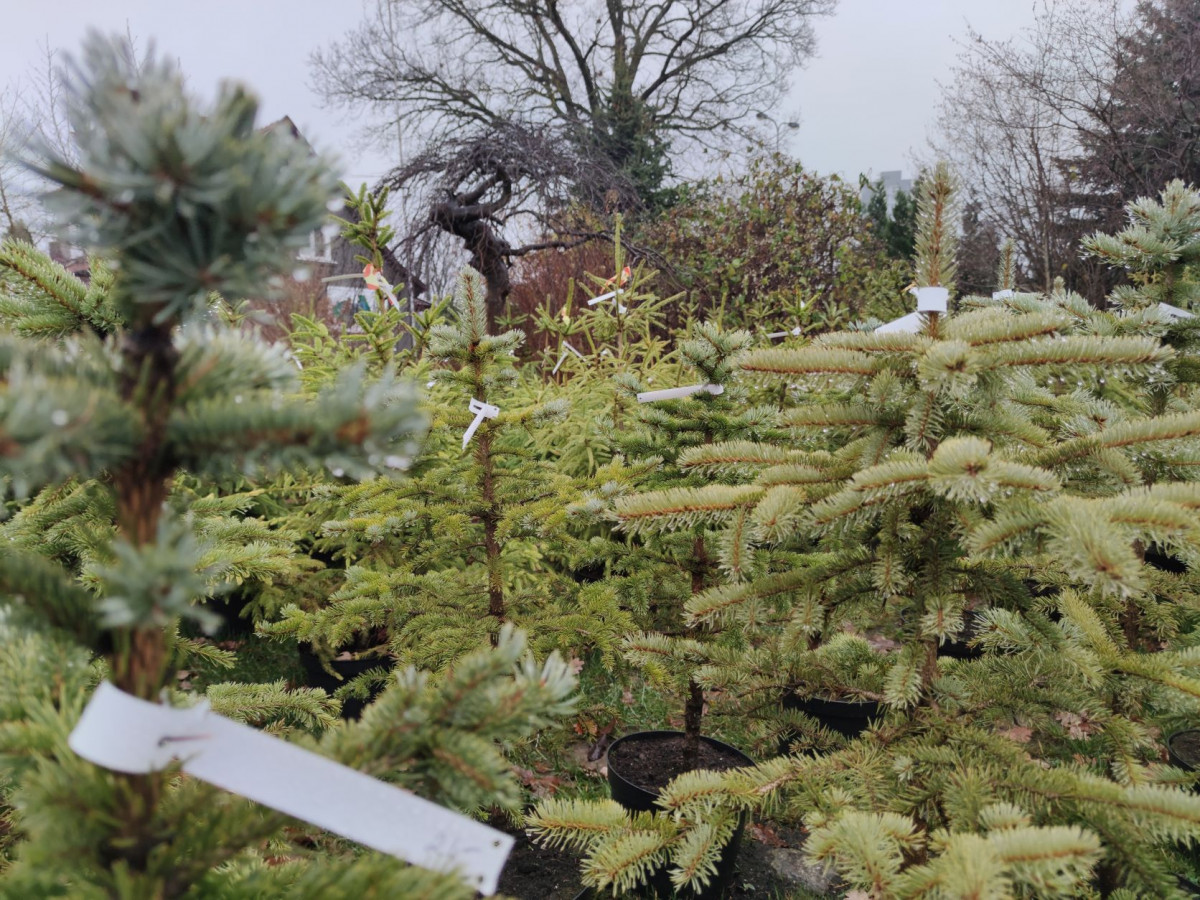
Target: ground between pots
{"x":535,"y":873}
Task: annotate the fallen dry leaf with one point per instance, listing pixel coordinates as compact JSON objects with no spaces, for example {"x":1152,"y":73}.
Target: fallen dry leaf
{"x":1018,"y":733}
{"x":1077,"y":726}
{"x":765,"y":834}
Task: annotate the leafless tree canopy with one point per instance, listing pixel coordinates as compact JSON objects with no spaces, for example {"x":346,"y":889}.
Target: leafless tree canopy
{"x":1057,"y":128}
{"x":503,"y":191}
{"x":690,"y":69}
{"x":1010,"y":119}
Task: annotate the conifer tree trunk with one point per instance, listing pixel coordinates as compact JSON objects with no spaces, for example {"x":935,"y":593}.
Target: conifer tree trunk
{"x":491,"y":516}
{"x":693,"y":710}
{"x":139,"y":660}
{"x":141,"y":487}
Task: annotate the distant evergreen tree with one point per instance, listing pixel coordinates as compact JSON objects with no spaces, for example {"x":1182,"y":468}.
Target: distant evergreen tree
{"x":978,"y":251}
{"x":895,"y":227}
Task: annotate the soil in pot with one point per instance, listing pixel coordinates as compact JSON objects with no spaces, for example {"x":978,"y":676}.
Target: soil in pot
{"x":642,"y":764}
{"x":1183,"y":748}
{"x":651,"y":764}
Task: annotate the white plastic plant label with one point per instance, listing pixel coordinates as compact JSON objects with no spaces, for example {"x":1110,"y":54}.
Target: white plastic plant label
{"x":609,"y":296}
{"x":567,"y":348}
{"x":126,"y":734}
{"x":679,"y":392}
{"x":1002,"y":295}
{"x":482,"y":411}
{"x":795,"y":332}
{"x":931,"y":299}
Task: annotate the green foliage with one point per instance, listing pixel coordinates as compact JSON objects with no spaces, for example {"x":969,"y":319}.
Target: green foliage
{"x":774,"y":248}
{"x":1158,"y":246}
{"x":894,"y":228}
{"x":193,"y":201}
{"x":938,"y":215}
{"x":474,"y":537}
{"x":39,"y":298}
{"x":142,"y":437}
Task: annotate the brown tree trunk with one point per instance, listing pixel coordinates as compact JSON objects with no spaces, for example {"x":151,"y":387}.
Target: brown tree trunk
{"x":491,"y":518}
{"x":139,"y":662}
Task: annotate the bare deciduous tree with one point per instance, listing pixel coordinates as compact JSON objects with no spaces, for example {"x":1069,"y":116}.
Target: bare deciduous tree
{"x":626,"y":77}
{"x":1058,"y":128}
{"x":1010,"y":120}
{"x":503,"y":190}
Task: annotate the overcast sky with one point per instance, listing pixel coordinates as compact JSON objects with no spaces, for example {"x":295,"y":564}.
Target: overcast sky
{"x":864,"y":103}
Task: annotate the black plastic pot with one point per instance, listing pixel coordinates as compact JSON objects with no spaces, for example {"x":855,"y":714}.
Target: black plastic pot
{"x":1177,"y":760}
{"x":847,"y":717}
{"x":638,"y":799}
{"x":316,"y":676}
{"x":959,"y":648}
{"x":1156,"y":558}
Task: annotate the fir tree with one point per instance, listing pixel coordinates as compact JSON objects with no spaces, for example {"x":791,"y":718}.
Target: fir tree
{"x":674,"y":530}
{"x":189,"y":202}
{"x":1011,"y":465}
{"x":467,"y":542}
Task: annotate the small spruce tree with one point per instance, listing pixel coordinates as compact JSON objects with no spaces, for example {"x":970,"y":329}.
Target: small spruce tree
{"x":189,"y":202}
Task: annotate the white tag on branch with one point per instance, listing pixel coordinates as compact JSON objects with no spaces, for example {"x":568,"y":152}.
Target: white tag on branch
{"x":121,"y":732}
{"x":621,"y":309}
{"x":795,"y":332}
{"x":620,"y":282}
{"x":482,"y":411}
{"x":679,"y":392}
{"x":567,"y":348}
{"x":931,"y":299}
{"x":1002,"y":295}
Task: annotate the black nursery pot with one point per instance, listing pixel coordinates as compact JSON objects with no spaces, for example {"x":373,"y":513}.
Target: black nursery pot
{"x":847,"y":717}
{"x":639,"y":799}
{"x":1180,"y":757}
{"x":316,"y":676}
{"x":958,"y":648}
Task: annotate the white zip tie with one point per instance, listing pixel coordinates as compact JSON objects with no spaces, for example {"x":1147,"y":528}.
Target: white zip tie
{"x":679,"y":392}
{"x":482,"y":411}
{"x":567,"y":348}
{"x":621,"y":309}
{"x":795,"y":332}
{"x":126,"y":734}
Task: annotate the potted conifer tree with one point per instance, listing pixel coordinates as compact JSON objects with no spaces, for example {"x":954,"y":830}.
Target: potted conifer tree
{"x":187,"y":201}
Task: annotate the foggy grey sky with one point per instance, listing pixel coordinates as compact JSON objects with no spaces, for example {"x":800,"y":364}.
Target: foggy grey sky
{"x":864,"y":103}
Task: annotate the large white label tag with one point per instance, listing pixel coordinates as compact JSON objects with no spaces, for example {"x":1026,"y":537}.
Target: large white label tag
{"x":482,"y":411}
{"x":677,"y":393}
{"x":121,"y":732}
{"x":931,"y":299}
